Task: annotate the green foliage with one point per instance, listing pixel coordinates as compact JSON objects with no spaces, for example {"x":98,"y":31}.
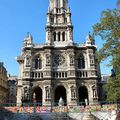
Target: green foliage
{"x":118,"y":2}
{"x":109,"y":30}
{"x":113,"y":89}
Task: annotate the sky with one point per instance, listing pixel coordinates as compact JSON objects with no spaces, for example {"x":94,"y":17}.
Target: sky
{"x":17,"y":17}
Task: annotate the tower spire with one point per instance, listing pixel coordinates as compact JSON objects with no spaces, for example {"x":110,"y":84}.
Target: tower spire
{"x":59,"y":29}
{"x":58,"y":4}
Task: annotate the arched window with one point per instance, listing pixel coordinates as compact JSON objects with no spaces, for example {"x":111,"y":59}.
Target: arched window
{"x":63,"y":36}
{"x":54,"y":36}
{"x":38,"y":63}
{"x":81,"y":62}
{"x":59,"y":36}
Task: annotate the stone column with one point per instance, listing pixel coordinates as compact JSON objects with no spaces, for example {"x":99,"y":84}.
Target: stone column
{"x":19,"y":95}
{"x":93,"y":95}
{"x":57,"y":36}
{"x":43,"y":96}
{"x":61,"y":38}
{"x":20,"y":82}
{"x":62,"y":5}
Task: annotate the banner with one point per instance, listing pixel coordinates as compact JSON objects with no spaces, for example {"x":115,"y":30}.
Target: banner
{"x":71,"y":109}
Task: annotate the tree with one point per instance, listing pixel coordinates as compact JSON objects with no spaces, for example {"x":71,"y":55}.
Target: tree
{"x":118,"y":2}
{"x":109,"y":30}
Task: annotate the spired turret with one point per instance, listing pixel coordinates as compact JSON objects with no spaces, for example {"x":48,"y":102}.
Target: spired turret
{"x":28,"y":40}
{"x":89,"y":40}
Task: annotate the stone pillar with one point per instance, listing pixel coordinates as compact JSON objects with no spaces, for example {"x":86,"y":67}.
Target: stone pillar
{"x":57,"y":36}
{"x":20,"y":82}
{"x":48,"y":19}
{"x":65,"y":36}
{"x":73,"y":95}
{"x":90,"y":96}
{"x":62,"y":5}
{"x":93,"y":94}
{"x":19,"y":95}
{"x":47,"y":96}
{"x":43,"y":96}
{"x":55,"y":3}
{"x":61,"y":38}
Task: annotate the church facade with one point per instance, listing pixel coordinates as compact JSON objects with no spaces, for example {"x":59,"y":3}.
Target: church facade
{"x":60,"y":68}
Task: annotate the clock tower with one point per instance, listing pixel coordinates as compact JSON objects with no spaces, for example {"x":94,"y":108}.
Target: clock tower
{"x":59,"y":29}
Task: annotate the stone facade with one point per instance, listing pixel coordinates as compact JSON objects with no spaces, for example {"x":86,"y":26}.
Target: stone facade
{"x":12,"y":89}
{"x":60,"y":67}
{"x":3,"y":83}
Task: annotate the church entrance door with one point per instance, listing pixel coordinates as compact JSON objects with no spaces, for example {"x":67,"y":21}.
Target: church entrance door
{"x":60,"y":92}
{"x":83,"y":95}
{"x":37,"y":95}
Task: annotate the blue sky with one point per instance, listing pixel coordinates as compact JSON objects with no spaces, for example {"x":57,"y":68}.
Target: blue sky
{"x":17,"y":17}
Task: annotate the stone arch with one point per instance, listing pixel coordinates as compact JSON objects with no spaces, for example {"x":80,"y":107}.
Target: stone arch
{"x":60,"y":91}
{"x":37,"y":95}
{"x":83,"y":95}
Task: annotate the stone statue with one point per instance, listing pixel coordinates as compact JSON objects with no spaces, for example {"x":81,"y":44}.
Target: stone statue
{"x":47,"y":59}
{"x":94,"y":91}
{"x":86,"y":101}
{"x":34,"y":96}
{"x":71,"y":59}
{"x":61,"y":102}
{"x":47,"y":92}
{"x":28,"y":60}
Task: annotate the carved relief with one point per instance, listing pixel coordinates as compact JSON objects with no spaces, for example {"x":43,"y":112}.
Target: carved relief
{"x":26,"y":93}
{"x":73,"y":92}
{"x":28,"y":60}
{"x":48,"y":59}
{"x":92,"y":58}
{"x":71,"y":59}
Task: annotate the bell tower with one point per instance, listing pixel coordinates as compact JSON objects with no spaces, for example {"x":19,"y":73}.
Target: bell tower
{"x":59,"y":29}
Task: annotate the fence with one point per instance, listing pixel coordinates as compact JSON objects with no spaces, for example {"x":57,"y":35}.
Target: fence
{"x":37,"y":108}
{"x":70,"y":112}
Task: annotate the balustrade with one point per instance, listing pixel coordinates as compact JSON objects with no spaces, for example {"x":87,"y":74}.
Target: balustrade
{"x":59,"y":75}
{"x":82,"y":74}
{"x":37,"y":75}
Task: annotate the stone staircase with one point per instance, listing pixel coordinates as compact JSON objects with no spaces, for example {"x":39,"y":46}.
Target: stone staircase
{"x":6,"y":115}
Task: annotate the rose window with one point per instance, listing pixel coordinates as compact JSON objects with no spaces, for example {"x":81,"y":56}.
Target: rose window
{"x":59,"y":59}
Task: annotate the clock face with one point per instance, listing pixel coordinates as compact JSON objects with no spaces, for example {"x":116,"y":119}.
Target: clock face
{"x":59,"y":59}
